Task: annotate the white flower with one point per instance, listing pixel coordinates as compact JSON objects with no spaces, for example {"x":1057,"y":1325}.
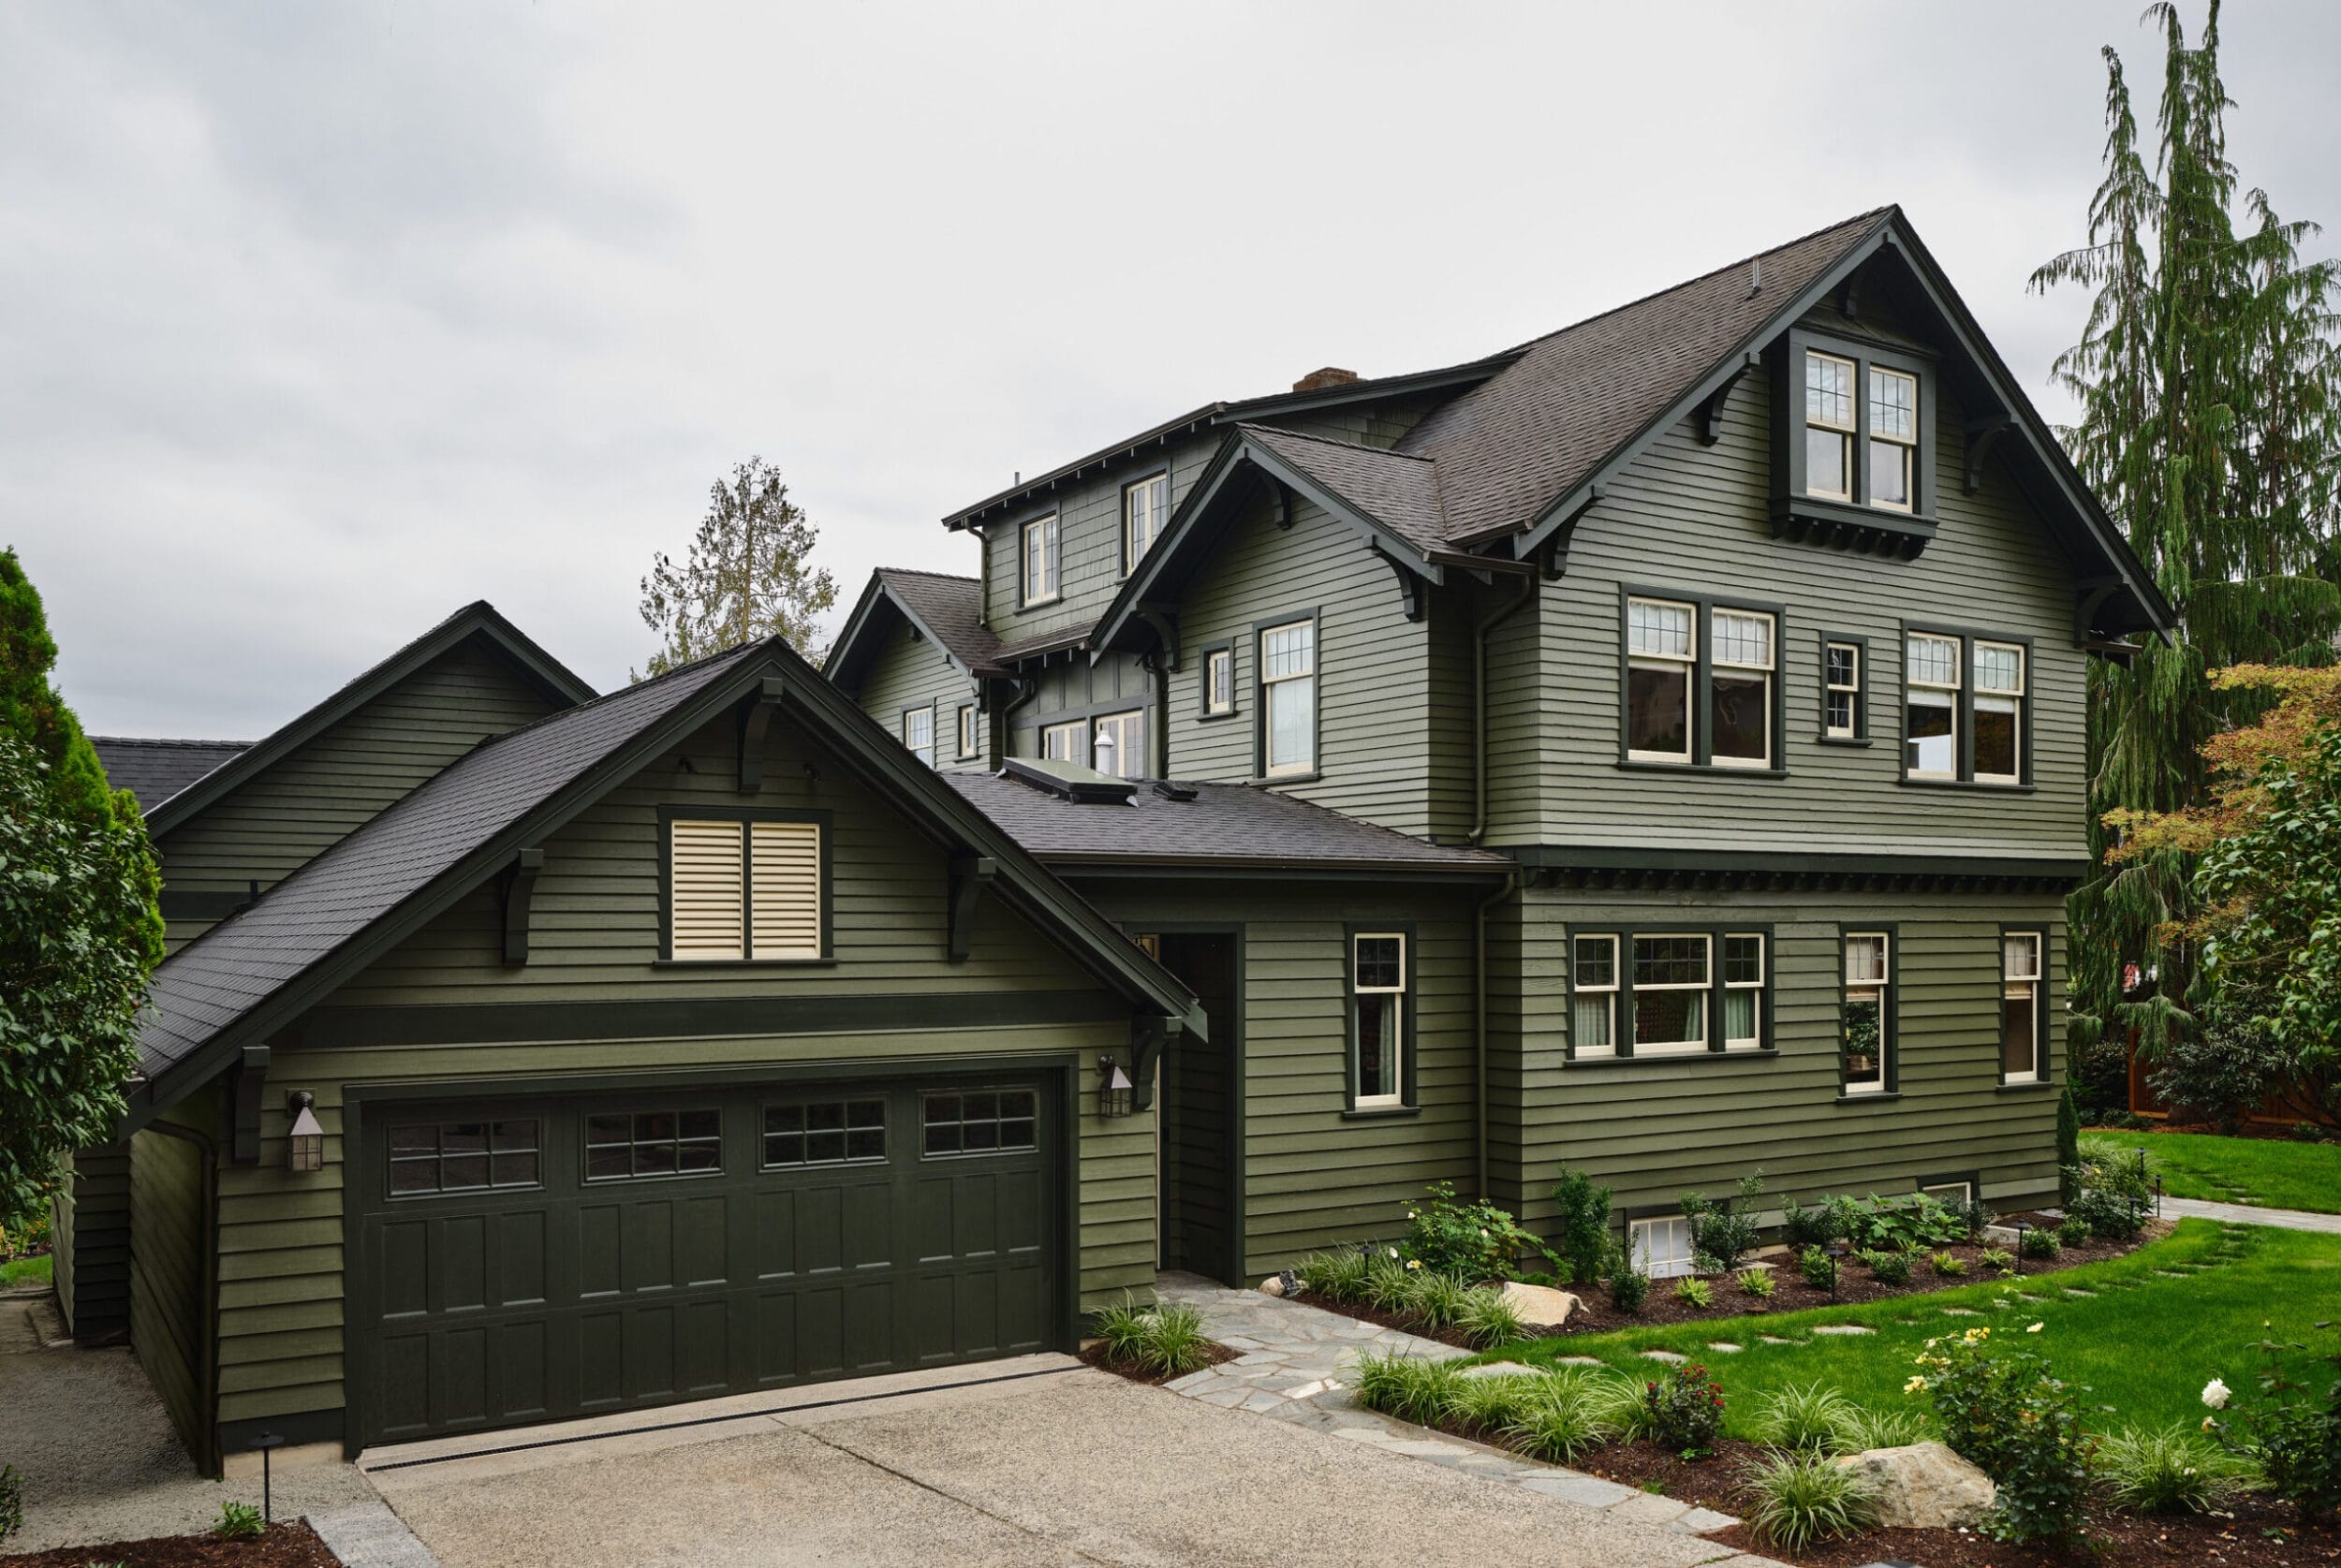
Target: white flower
{"x":1394,"y":1252}
{"x":2035,"y":1328}
{"x":2216,"y":1394}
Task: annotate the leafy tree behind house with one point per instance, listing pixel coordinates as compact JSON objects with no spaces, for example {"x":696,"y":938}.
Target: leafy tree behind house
{"x":748,"y":574}
{"x":79,"y":924}
{"x":2210,"y":395}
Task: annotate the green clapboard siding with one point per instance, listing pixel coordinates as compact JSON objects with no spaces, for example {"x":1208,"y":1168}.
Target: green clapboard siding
{"x":595,"y":937}
{"x":170,"y":1278}
{"x":285,"y":816}
{"x":1089,"y":545}
{"x":910,"y":671}
{"x":1654,"y":1128}
{"x":1694,"y":519}
{"x":92,"y":1243}
{"x":1068,"y":689}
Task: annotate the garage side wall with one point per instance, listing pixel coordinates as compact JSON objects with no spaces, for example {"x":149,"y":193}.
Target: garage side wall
{"x":92,"y":1243}
{"x":170,"y":1276}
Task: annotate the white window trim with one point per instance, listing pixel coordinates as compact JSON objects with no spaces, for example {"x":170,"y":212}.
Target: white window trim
{"x":1852,"y":692}
{"x":2032,"y":985}
{"x":1079,"y":731}
{"x":1607,"y":994}
{"x":1039,"y":575}
{"x":1121,"y":724}
{"x":1715,"y":661}
{"x":970,"y":730}
{"x":1269,"y":767}
{"x":2016,"y":695}
{"x":1685,"y":664}
{"x":1883,"y":986}
{"x":1849,"y":430}
{"x":1399,"y":1044}
{"x":1756,"y":986}
{"x":1155,"y":488}
{"x":1956,"y":1193}
{"x":1217,"y":701}
{"x":1704,"y":988}
{"x":1679,"y":1259}
{"x":909,"y":743}
{"x":1911,"y":683}
{"x":1908,"y":444}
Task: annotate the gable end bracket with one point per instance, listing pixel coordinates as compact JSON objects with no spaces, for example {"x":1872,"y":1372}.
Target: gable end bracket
{"x":1981,"y":433}
{"x":2089,"y":596}
{"x":971,"y":875}
{"x":1710,"y":415}
{"x":1165,"y":624}
{"x":1280,"y":504}
{"x":1410,"y":582}
{"x":1149,"y":1033}
{"x":251,"y":1082}
{"x":756,"y":721}
{"x":520,"y":892}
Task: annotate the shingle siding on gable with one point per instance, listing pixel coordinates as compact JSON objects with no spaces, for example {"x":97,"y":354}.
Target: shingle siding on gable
{"x":288,"y":814}
{"x":1694,"y":519}
{"x":911,"y":672}
{"x":1089,"y":545}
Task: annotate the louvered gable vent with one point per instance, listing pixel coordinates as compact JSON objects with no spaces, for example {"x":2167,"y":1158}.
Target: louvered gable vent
{"x":786,"y":877}
{"x":705,"y":896}
{"x":757,"y":896}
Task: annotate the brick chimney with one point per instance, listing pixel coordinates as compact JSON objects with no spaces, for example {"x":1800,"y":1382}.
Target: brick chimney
{"x":1317,"y":380}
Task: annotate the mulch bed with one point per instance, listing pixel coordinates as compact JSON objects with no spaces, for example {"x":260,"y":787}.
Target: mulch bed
{"x":1095,"y":1354}
{"x":288,"y":1544}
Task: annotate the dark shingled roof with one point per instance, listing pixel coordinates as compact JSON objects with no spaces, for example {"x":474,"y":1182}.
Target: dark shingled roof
{"x":237,"y":965}
{"x":1516,"y":444}
{"x":1395,"y":489}
{"x":154,"y":769}
{"x":1225,"y":824}
{"x":951,"y":610}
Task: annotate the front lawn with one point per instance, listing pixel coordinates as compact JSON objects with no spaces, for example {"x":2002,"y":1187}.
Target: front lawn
{"x":2161,"y":1322}
{"x":25,"y":1271}
{"x":2272,"y":1173}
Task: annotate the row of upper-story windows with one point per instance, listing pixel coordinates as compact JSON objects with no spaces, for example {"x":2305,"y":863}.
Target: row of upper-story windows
{"x":1146,"y":508}
{"x":1702,"y":689}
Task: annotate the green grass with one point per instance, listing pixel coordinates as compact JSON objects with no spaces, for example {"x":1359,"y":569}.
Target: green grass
{"x":2272,"y":1174}
{"x":25,"y":1271}
{"x":2231,"y":1280}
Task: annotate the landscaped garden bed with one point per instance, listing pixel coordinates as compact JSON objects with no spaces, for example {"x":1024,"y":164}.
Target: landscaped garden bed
{"x":287,"y":1545}
{"x":1151,"y":1344}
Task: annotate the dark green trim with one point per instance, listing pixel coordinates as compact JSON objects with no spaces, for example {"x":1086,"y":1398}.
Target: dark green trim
{"x":1220,"y":868}
{"x":960,"y":712}
{"x":1856,"y":523}
{"x":1883,"y":1098}
{"x":298,"y":1430}
{"x":1238,"y":1248}
{"x":1371,"y":390}
{"x":2039,"y":1003}
{"x":556,"y":680}
{"x":1767,"y":862}
{"x":1861,"y":673}
{"x":935,"y":739}
{"x":1056,"y":555}
{"x":745,"y":816}
{"x":1409,"y":1099}
{"x":1203,"y":712}
{"x":1890,"y":1011}
{"x":1699,"y":713}
{"x":1963,"y":707}
{"x":1122,"y":556}
{"x":195,"y":905}
{"x":1402,"y":551}
{"x":1314,"y":615}
{"x":699,"y":1018}
{"x":1622,"y":1024}
{"x":853,"y":649}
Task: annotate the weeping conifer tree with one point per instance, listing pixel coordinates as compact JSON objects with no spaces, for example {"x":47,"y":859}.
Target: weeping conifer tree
{"x":2210,"y":398}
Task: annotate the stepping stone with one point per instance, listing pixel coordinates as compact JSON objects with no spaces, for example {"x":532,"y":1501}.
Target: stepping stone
{"x":1960,"y":1312}
{"x":1699,"y":1521}
{"x":2076,"y":1290}
{"x":1590,"y":1490}
{"x":1650,"y":1508}
{"x":1844,"y":1329}
{"x":1499,"y":1369}
{"x":1577,"y":1361}
{"x":1666,"y":1355}
{"x":1776,"y":1339}
{"x":2169,"y":1273}
{"x":1723,"y":1347}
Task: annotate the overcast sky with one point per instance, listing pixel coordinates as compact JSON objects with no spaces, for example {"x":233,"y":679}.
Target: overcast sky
{"x":318,"y":321}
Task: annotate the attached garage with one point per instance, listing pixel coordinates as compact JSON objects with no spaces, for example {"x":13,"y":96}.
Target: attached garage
{"x":532,"y":1259}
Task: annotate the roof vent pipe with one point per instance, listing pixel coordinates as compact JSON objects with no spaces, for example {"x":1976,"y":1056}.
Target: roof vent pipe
{"x":1756,"y":277}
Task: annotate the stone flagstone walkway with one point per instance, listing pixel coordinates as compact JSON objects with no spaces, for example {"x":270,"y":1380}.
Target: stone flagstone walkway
{"x":1295,"y":1366}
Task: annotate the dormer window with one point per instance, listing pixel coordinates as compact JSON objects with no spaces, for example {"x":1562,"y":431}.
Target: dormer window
{"x":1851,"y":466}
{"x":1829,"y":426}
{"x":1041,"y":561}
{"x":1145,"y":506}
{"x":1893,"y":437}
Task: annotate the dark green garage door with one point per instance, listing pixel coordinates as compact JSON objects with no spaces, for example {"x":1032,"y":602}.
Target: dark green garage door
{"x":529,"y":1260}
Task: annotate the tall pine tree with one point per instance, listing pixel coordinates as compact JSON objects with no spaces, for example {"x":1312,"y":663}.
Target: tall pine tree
{"x":2210,"y":397}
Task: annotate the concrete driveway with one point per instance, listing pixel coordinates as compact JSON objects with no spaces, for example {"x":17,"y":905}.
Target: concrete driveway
{"x":1067,"y":1466}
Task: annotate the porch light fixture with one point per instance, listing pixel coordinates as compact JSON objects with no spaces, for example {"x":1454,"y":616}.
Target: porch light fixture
{"x":1113,"y":1091}
{"x":304,"y":1146}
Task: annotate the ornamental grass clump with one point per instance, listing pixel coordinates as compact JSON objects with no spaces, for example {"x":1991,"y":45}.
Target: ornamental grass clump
{"x":1685,"y":1410}
{"x":1570,"y":1414}
{"x":2004,"y":1413}
{"x":2172,"y":1470}
{"x":1487,"y":1319}
{"x":1164,"y":1339}
{"x":1866,"y":1428}
{"x":1807,"y":1418}
{"x":1411,"y":1388}
{"x":1338,"y":1276}
{"x":1692,"y":1291}
{"x":1803,"y":1496}
{"x":1435,"y":1298}
{"x":1493,"y":1401}
{"x":1389,"y":1282}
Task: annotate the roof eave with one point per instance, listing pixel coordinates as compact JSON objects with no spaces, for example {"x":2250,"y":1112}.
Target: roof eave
{"x":1184,"y":424}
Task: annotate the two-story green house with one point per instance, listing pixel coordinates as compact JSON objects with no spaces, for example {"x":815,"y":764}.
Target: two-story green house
{"x":1656,"y":749}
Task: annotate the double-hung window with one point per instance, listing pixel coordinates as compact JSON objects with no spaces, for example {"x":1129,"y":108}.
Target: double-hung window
{"x":746,"y":887}
{"x":1743,"y":992}
{"x":1063,"y":742}
{"x":2020,"y":1006}
{"x":1218,"y":683}
{"x":1932,"y":683}
{"x":1829,"y":428}
{"x":1119,"y":746}
{"x":1661,"y":657}
{"x":1998,"y":713}
{"x":1868,"y":1012}
{"x":1894,"y":438}
{"x":1671,"y":993}
{"x":1288,"y":676}
{"x":1144,"y":505}
{"x":1840,"y":689}
{"x":1963,"y":718}
{"x":1593,"y":996}
{"x":1378,"y":988}
{"x":1739,"y":689}
{"x":918,"y":733}
{"x":1857,"y":439}
{"x":1040,"y":560}
{"x":970,"y":731}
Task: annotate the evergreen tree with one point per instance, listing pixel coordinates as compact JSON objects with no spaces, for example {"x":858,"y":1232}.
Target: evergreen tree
{"x":80,"y":931}
{"x":748,"y":576}
{"x":2210,"y":399}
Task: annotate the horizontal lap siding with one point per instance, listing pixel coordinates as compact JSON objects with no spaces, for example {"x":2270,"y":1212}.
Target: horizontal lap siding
{"x":1694,"y":519}
{"x":280,"y":820}
{"x":167,"y":1281}
{"x":93,"y":1242}
{"x":911,"y":672}
{"x":1089,"y":544}
{"x":1654,"y":1129}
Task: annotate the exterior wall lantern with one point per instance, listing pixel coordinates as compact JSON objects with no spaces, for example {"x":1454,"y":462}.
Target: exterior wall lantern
{"x":1113,"y":1090}
{"x":305,"y":1148}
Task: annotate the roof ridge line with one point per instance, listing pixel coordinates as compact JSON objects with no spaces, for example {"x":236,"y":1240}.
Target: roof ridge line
{"x":1330,"y":441}
{"x":916,"y":571}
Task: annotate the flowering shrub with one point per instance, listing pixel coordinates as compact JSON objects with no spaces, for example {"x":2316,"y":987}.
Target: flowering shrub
{"x":2293,"y":1431}
{"x":1470,"y":1242}
{"x":2003,"y":1412}
{"x":1685,"y":1410}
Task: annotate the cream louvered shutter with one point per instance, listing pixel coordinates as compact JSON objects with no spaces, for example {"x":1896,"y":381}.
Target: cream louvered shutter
{"x":704,"y":894}
{"x":785,"y":878}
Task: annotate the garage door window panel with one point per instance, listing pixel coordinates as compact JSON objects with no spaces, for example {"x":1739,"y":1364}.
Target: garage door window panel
{"x":978,"y":1122}
{"x":824,"y":1133}
{"x":626,"y":1144}
{"x":464,"y":1156}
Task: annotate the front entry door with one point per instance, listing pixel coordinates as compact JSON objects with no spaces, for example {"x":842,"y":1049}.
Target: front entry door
{"x":1198,"y":1115}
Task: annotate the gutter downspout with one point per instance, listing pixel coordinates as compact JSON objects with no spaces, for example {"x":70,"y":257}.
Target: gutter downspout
{"x":1481,"y":633}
